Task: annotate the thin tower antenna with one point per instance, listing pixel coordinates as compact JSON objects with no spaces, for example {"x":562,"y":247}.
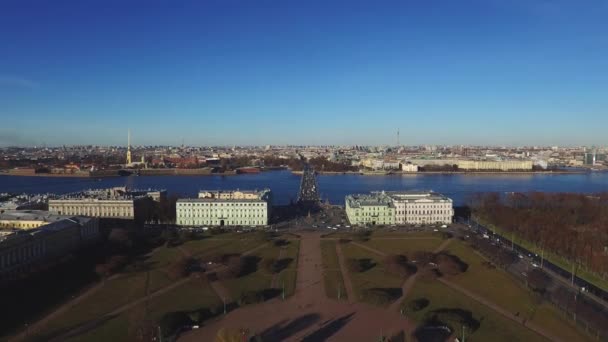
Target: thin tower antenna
{"x":397,"y":137}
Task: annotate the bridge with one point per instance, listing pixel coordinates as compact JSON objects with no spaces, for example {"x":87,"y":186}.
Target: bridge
{"x":309,"y":189}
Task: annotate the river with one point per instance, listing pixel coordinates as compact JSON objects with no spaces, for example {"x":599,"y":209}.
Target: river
{"x":333,"y":187}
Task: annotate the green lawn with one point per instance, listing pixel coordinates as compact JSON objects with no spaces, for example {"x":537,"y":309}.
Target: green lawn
{"x":288,"y":276}
{"x":552,"y":257}
{"x":376,"y":277}
{"x":113,"y":294}
{"x":193,"y":295}
{"x":332,"y":276}
{"x":404,"y":246}
{"x":131,"y":284}
{"x":502,"y":289}
{"x":493,"y":326}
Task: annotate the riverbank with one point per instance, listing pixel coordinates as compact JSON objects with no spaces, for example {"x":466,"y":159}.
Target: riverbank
{"x":402,"y":173}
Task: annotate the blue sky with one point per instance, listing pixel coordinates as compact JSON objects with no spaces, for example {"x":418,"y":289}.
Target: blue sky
{"x":504,"y":72}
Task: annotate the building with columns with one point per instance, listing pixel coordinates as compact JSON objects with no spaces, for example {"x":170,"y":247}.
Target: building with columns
{"x":399,"y":207}
{"x":118,"y":203}
{"x":370,"y":209}
{"x":225,"y":208}
{"x":22,"y":249}
{"x":421,"y":207}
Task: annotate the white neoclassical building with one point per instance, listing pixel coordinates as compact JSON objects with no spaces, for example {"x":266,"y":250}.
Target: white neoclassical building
{"x":399,"y":207}
{"x":421,"y":207}
{"x":117,"y":203}
{"x":225,"y":208}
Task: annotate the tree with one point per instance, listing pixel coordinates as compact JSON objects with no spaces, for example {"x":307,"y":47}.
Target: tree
{"x":399,"y":265}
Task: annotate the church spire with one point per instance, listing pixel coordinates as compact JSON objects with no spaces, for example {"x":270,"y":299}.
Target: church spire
{"x":129,"y":147}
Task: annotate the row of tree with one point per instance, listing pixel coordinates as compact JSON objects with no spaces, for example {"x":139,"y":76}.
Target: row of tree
{"x":574,"y":226}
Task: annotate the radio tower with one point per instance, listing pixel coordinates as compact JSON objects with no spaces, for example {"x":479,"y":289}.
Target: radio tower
{"x":397,"y":137}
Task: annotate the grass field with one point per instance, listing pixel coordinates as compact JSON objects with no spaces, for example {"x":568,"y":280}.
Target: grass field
{"x":492,"y":327}
{"x":376,"y":277}
{"x":193,"y":295}
{"x":404,"y":246}
{"x":553,"y":258}
{"x":500,"y":288}
{"x":288,"y":276}
{"x":332,"y":276}
{"x":149,"y":275}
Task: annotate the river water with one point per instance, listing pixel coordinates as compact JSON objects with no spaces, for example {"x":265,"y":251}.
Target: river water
{"x":333,"y":187}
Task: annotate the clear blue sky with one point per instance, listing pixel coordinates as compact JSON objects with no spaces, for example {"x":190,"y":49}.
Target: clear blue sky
{"x":227,"y":72}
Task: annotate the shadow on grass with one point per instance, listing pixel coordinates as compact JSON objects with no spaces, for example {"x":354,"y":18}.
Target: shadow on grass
{"x":382,"y":295}
{"x":285,"y":329}
{"x":73,"y":331}
{"x":329,"y":329}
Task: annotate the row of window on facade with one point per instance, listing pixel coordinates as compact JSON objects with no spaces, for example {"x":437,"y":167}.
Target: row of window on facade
{"x":16,"y":256}
{"x":222,"y":204}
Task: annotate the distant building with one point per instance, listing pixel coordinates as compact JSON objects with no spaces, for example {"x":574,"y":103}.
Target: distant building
{"x":20,"y":250}
{"x":108,"y":203}
{"x":409,"y":167}
{"x":411,"y":207}
{"x":370,"y":209}
{"x":225,"y":208}
{"x":503,"y":165}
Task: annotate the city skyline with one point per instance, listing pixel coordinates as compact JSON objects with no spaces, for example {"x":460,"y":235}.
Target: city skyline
{"x":221,"y":74}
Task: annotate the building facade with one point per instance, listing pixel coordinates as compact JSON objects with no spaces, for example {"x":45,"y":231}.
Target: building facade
{"x":116,"y":203}
{"x":370,"y":209}
{"x":421,"y":207}
{"x":406,"y":207}
{"x":225,"y":208}
{"x":23,"y":249}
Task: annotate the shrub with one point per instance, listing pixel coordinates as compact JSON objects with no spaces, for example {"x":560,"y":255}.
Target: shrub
{"x":416,"y":304}
{"x":399,"y":265}
{"x":449,"y":264}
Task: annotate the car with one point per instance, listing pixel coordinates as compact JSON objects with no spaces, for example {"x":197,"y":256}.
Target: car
{"x":337,"y":225}
{"x":520,"y":256}
{"x":347,"y":226}
{"x":444,"y":226}
{"x":435,"y":230}
{"x":328,"y":227}
{"x":334,"y":228}
{"x":534,"y":264}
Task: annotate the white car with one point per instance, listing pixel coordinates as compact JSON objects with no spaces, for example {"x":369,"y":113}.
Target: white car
{"x":534,"y":265}
{"x":335,"y":228}
{"x":444,"y":226}
{"x":328,"y":227}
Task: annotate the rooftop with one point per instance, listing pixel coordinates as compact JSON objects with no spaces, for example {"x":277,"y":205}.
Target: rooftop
{"x":372,"y":199}
{"x":109,"y":194}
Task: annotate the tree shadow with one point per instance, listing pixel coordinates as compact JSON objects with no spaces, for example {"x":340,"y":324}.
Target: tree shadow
{"x":329,"y":329}
{"x":283,"y":330}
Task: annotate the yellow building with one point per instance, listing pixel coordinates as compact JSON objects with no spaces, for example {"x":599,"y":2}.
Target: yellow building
{"x":26,"y":219}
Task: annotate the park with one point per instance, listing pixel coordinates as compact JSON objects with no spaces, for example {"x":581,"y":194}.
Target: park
{"x":312,"y":285}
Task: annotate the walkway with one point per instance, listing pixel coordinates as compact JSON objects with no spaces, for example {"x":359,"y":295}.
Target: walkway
{"x":350,"y":290}
{"x":308,"y":315}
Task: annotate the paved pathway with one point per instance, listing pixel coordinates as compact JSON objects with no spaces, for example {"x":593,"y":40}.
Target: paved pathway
{"x":350,"y":291}
{"x":308,"y":315}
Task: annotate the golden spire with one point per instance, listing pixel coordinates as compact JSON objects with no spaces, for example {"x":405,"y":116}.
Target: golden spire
{"x":129,"y":147}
